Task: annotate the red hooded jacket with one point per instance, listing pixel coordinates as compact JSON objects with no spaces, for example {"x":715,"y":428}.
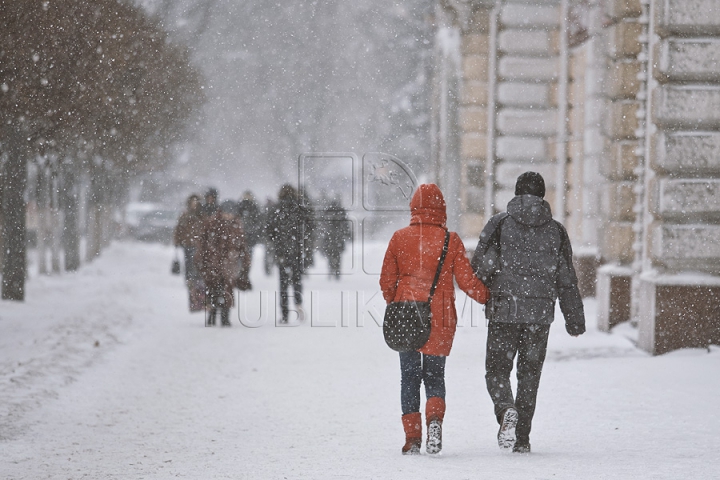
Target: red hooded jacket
{"x":412,"y":258}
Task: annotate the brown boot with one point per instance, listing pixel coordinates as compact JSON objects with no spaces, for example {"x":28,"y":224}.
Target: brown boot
{"x":412,"y":424}
{"x":434,"y":415}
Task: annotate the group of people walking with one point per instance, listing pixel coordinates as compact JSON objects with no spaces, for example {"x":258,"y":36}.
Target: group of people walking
{"x":218,"y":240}
{"x":217,"y":255}
{"x":522,"y":264}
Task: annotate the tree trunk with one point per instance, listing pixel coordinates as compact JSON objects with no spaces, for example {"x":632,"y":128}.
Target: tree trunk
{"x":71,"y":231}
{"x":41,"y":197}
{"x":95,"y":220}
{"x":55,"y":221}
{"x":14,"y":209}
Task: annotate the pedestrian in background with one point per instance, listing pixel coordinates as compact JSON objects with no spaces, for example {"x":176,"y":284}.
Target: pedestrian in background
{"x":211,"y":202}
{"x":408,"y":270}
{"x":187,"y":235}
{"x":269,"y":259}
{"x":333,"y":234}
{"x":289,"y":229}
{"x":220,"y":252}
{"x":525,"y":258}
{"x":252,"y":220}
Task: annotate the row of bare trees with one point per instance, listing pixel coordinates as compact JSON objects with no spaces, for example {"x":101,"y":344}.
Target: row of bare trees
{"x":91,"y":93}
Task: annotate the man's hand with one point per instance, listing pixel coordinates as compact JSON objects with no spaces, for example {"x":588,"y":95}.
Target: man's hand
{"x":575,"y":329}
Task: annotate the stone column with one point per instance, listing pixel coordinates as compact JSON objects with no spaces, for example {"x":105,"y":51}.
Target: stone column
{"x":461,"y":109}
{"x":621,"y":112}
{"x":527,"y":74}
{"x":679,"y":287}
{"x":586,"y":146}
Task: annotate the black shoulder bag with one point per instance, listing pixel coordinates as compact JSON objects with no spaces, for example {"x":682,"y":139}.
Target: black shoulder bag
{"x":407,"y":324}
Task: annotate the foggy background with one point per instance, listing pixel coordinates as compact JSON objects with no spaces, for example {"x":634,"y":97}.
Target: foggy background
{"x":286,"y":79}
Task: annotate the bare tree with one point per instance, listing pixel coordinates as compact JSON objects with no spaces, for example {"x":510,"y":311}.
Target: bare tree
{"x":99,"y":84}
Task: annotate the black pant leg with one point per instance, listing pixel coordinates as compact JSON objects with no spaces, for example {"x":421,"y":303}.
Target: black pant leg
{"x":297,"y":285}
{"x":502,"y":345}
{"x":284,"y":287}
{"x":531,"y":356}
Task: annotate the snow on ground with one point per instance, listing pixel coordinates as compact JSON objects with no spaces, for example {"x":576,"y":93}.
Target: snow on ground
{"x":105,"y":375}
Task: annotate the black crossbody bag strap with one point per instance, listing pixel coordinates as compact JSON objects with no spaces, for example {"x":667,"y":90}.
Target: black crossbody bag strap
{"x":440,"y":265}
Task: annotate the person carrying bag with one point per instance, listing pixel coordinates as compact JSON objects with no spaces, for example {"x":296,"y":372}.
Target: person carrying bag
{"x":408,"y":274}
{"x":407,"y":324}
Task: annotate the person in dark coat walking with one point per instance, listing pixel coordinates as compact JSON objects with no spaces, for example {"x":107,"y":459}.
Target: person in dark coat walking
{"x":187,"y":235}
{"x":309,"y":237}
{"x":289,"y":227}
{"x":525,"y":258}
{"x":269,"y":260}
{"x":251,"y":217}
{"x":219,"y":258}
{"x":210,"y":206}
{"x":254,"y":228}
{"x":335,"y":231}
{"x":408,"y":270}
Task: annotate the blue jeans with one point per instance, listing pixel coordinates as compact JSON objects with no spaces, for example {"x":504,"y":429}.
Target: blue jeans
{"x":416,"y":368}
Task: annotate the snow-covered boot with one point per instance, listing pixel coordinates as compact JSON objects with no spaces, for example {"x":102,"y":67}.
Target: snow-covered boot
{"x":412,"y":424}
{"x":506,"y":435}
{"x":434,"y":415}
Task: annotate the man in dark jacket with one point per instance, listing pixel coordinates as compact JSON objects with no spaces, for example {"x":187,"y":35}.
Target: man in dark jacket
{"x":525,"y":259}
{"x":249,"y":213}
{"x":289,"y":229}
{"x":334,"y":232}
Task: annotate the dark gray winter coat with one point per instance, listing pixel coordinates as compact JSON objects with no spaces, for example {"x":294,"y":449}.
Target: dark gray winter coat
{"x":525,"y":259}
{"x":290,"y":227}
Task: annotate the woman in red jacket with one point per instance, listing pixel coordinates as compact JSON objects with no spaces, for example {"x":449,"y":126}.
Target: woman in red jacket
{"x":407,"y":274}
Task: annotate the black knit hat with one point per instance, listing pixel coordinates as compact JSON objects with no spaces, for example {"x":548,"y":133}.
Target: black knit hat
{"x":530,"y":183}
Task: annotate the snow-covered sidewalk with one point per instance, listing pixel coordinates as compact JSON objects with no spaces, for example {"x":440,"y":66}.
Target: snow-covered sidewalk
{"x":104,"y":374}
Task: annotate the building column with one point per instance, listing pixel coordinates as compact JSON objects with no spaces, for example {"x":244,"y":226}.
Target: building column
{"x":622,"y":110}
{"x":679,"y":286}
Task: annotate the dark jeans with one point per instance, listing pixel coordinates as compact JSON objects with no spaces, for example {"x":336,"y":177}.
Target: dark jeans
{"x":529,"y":342}
{"x":289,"y":275}
{"x":416,"y":368}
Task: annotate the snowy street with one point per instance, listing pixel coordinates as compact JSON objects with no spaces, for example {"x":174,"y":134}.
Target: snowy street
{"x":104,"y":374}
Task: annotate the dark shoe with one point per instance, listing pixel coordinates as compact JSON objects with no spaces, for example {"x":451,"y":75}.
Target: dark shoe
{"x":521,"y":448}
{"x":226,"y":323}
{"x":434,"y":437}
{"x":506,"y":435}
